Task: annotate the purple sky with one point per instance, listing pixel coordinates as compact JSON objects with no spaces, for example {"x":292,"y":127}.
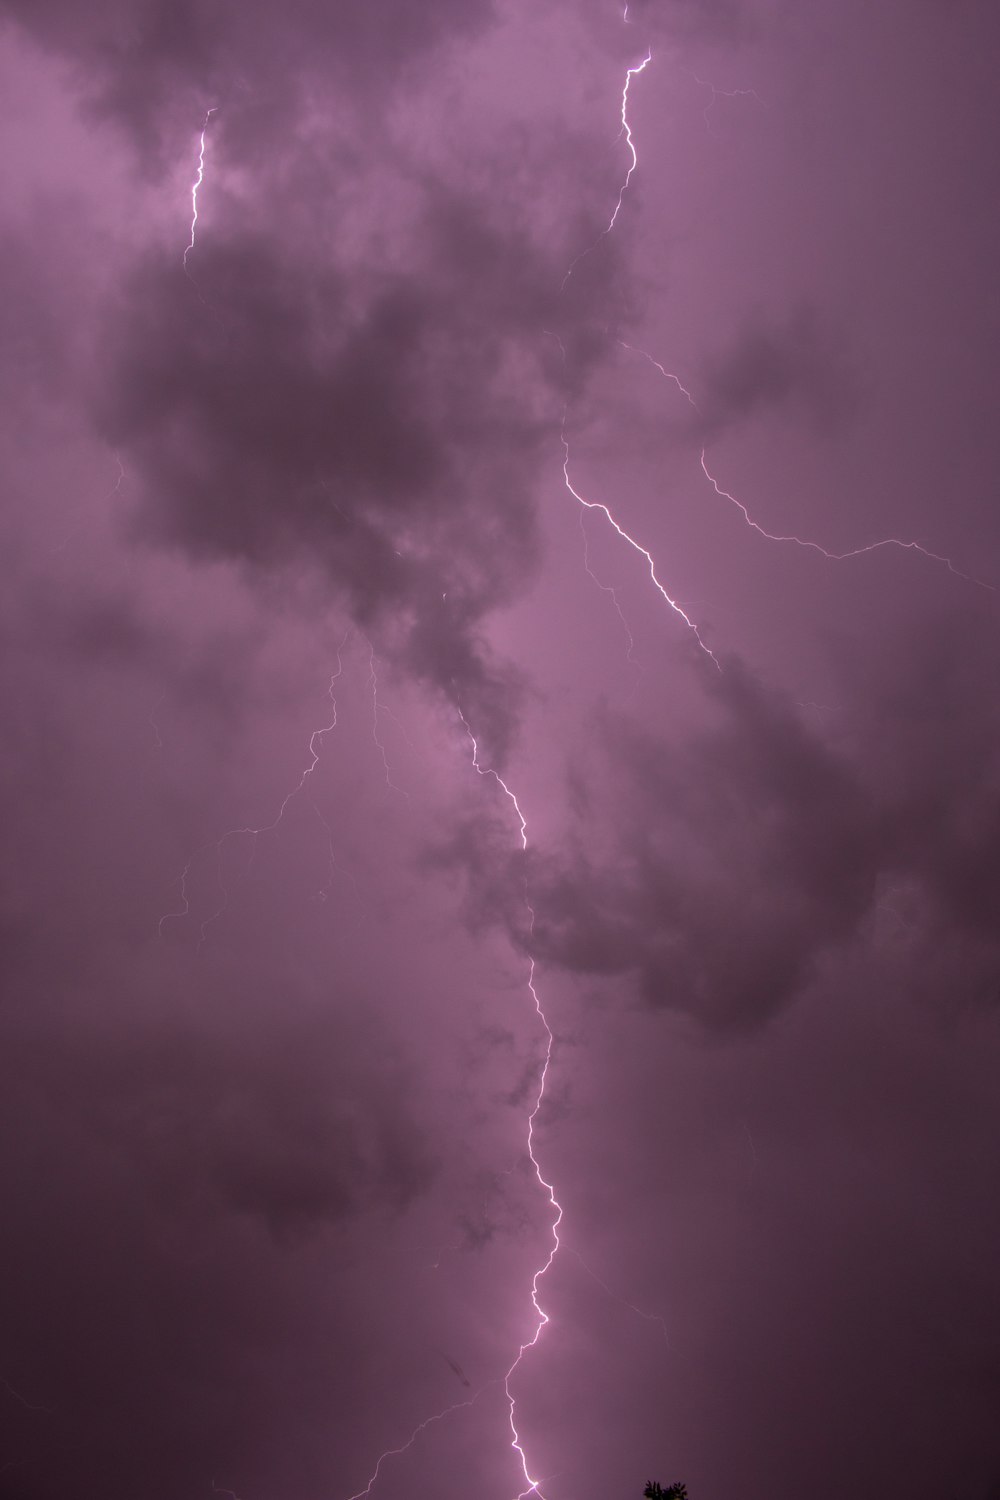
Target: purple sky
{"x":285,"y":526}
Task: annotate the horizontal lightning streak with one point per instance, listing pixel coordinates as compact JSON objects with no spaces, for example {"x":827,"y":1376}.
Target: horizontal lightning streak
{"x":533,"y":1485}
{"x":704,"y":83}
{"x":799,"y":541}
{"x":626,"y":130}
{"x":667,"y":374}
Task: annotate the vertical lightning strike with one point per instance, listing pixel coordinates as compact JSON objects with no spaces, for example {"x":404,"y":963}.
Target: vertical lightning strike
{"x":199,"y":179}
{"x":704,"y":83}
{"x":799,"y":541}
{"x":315,"y":751}
{"x":626,"y":131}
{"x":585,"y":504}
{"x":533,"y":1485}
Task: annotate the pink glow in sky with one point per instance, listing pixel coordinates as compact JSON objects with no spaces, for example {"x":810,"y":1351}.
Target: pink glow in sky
{"x":490,"y":1010}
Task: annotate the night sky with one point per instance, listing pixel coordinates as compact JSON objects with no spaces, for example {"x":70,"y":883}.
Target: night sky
{"x":446,"y":630}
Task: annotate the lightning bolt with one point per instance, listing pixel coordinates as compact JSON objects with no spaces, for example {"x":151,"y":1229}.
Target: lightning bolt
{"x":799,"y":541}
{"x":533,"y":1485}
{"x":636,"y":547}
{"x":199,"y":179}
{"x":667,"y":374}
{"x":405,"y":1447}
{"x":723,"y":94}
{"x":315,"y":752}
{"x":626,"y":131}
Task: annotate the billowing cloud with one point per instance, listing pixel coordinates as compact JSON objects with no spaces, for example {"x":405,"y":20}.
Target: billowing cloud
{"x":280,"y":514}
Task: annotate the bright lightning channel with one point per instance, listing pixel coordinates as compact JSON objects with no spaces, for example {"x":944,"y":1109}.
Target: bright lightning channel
{"x":199,"y":179}
{"x":585,"y":504}
{"x":626,"y":131}
{"x":667,"y":374}
{"x":799,"y":541}
{"x":533,"y":1485}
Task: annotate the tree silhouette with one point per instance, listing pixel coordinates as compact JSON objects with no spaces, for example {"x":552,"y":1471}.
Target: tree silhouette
{"x":672,"y":1492}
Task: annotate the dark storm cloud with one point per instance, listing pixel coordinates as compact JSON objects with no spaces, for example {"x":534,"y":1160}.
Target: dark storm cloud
{"x":715,"y":874}
{"x":373,"y":407}
{"x":218,"y":1119}
{"x":144,"y":64}
{"x":380,"y":426}
{"x":796,"y":365}
{"x":723,"y":21}
{"x":734,"y":861}
{"x":925,"y":731}
{"x":377,"y":442}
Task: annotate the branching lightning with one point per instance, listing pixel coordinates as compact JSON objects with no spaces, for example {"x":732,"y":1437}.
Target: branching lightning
{"x":636,"y":546}
{"x":667,"y":374}
{"x":315,"y":752}
{"x":799,"y":541}
{"x":199,"y":179}
{"x":585,"y":504}
{"x":438,"y":1416}
{"x":704,"y":83}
